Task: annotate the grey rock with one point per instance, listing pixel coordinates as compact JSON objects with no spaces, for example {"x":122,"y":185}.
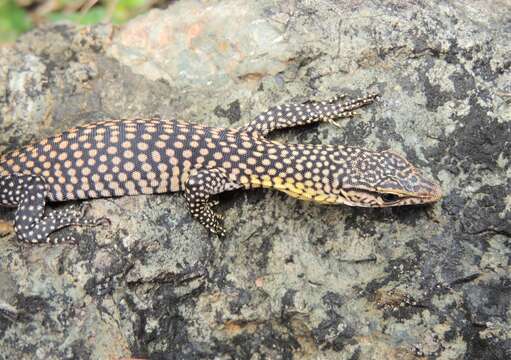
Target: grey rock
{"x":291,"y":279}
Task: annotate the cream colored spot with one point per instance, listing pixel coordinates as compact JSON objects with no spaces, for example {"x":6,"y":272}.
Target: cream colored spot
{"x":174,"y":184}
{"x":130,"y":186}
{"x":129,"y":166}
{"x":142,"y":146}
{"x":162,"y":167}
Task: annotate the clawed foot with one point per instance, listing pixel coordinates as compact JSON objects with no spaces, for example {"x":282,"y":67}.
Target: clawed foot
{"x":337,"y":110}
{"x":215,"y":226}
{"x":102,"y":221}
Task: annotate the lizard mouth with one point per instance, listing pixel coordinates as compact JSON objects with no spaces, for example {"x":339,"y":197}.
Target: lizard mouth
{"x":384,"y":198}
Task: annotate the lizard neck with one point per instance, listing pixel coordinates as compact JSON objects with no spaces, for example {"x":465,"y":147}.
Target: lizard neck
{"x":305,"y":172}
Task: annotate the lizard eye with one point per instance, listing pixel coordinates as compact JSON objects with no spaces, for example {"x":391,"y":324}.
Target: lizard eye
{"x":389,"y":198}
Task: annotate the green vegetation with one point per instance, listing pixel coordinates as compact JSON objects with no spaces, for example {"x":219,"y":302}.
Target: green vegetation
{"x":18,"y":16}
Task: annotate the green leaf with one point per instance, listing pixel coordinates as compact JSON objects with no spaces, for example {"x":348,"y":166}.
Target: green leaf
{"x":13,"y":20}
{"x":93,"y":16}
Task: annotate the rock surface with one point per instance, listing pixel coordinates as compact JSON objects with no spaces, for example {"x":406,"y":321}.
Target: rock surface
{"x":291,"y":279}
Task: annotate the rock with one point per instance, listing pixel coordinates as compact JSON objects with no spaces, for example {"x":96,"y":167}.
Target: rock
{"x":291,"y":279}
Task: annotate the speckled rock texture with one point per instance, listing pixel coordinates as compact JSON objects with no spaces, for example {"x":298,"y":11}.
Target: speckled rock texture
{"x":291,"y":280}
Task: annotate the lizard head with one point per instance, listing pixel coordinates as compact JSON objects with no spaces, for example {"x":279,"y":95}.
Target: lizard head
{"x":379,"y":179}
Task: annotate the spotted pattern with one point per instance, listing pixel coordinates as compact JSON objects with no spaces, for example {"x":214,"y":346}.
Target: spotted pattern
{"x":198,"y":189}
{"x":29,"y":192}
{"x":148,"y":156}
{"x":285,"y":116}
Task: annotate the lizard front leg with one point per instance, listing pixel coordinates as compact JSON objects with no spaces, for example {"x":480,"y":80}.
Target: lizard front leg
{"x":291,"y":115}
{"x":199,"y":187}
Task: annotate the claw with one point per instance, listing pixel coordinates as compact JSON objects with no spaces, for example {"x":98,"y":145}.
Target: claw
{"x":103,"y":221}
{"x":84,"y":209}
{"x":334,"y":123}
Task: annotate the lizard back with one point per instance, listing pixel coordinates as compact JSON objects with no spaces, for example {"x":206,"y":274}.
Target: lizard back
{"x":120,"y":157}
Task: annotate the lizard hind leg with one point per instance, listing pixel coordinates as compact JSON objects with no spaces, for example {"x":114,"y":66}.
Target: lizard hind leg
{"x":29,"y":193}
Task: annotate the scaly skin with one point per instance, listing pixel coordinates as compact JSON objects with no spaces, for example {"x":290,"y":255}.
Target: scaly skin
{"x":131,"y":157}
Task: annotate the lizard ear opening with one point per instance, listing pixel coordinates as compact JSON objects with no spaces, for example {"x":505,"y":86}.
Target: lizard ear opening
{"x":390,"y":198}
